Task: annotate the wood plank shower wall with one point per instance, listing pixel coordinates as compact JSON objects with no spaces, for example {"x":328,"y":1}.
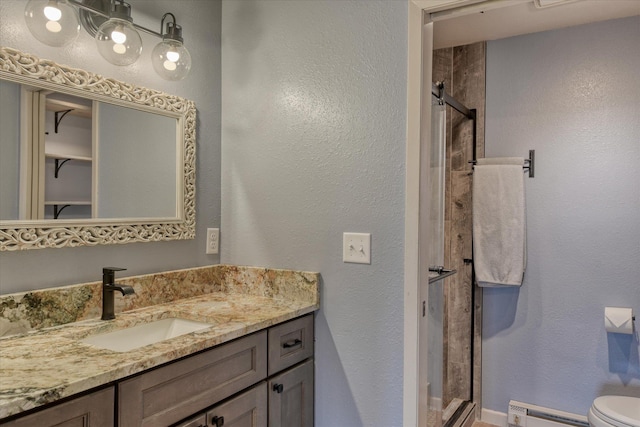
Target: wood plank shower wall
{"x":462,"y":69}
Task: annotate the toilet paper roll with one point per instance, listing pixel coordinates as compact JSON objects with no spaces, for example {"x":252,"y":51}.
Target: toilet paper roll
{"x":618,"y":320}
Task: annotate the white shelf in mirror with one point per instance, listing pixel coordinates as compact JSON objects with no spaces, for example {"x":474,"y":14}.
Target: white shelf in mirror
{"x":76,"y":109}
{"x":68,"y":202}
{"x":68,"y":156}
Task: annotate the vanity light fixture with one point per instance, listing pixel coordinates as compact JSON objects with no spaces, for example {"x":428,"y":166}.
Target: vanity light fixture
{"x":56,"y":23}
{"x":118,"y":41}
{"x":170,"y":59}
{"x":53,"y":22}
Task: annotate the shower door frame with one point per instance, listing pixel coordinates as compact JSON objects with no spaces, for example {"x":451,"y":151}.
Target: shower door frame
{"x":419,"y":78}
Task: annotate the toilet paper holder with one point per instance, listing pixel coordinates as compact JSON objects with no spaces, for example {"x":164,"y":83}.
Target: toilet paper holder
{"x":619,"y":320}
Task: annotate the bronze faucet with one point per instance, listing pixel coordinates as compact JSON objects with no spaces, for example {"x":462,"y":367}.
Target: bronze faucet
{"x":108,"y":287}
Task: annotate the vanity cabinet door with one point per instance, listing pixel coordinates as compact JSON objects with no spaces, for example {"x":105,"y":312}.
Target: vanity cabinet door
{"x":93,"y":410}
{"x":246,"y":410}
{"x":173,"y":392}
{"x":291,"y":397}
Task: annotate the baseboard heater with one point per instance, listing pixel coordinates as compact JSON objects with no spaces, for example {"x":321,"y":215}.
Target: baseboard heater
{"x":527,"y":415}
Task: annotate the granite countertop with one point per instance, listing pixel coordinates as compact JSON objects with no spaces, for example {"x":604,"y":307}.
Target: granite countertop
{"x":45,"y":365}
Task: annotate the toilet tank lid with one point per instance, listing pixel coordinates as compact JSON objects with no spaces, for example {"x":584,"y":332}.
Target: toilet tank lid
{"x":624,"y":409}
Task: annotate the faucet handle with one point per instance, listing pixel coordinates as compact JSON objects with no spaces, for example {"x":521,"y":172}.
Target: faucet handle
{"x":109,"y":274}
{"x":107,"y":270}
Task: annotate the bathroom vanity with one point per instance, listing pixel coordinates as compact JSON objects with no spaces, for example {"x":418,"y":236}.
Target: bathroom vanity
{"x":249,"y":360}
{"x":253,"y":366}
{"x":230,"y":383}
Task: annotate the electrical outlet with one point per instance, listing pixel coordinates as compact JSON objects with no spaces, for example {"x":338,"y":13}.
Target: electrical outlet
{"x":213,"y":240}
{"x":356,"y":247}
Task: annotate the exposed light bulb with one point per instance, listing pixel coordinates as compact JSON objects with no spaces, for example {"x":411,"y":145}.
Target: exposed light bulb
{"x":118,"y":41}
{"x":173,"y":55}
{"x":118,"y":36}
{"x":52,"y":12}
{"x":53,"y":22}
{"x":53,"y":26}
{"x":119,"y":48}
{"x":170,"y":58}
{"x":169,"y":65}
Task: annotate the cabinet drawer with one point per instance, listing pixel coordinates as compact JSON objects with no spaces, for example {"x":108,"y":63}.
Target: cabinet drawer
{"x":93,"y":410}
{"x":173,"y":392}
{"x":290,"y":343}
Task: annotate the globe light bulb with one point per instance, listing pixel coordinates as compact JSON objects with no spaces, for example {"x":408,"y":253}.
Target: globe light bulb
{"x":118,"y":36}
{"x":117,"y":39}
{"x":52,"y":22}
{"x":173,"y":55}
{"x":53,"y":26}
{"x":118,"y":42}
{"x":120,"y":49}
{"x":170,"y":58}
{"x":52,"y":12}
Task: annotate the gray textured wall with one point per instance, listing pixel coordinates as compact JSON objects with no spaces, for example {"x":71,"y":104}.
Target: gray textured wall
{"x":573,"y":96}
{"x":201,"y":30}
{"x":313,"y":131}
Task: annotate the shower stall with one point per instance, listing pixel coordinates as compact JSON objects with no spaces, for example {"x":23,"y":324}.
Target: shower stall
{"x":451,"y":314}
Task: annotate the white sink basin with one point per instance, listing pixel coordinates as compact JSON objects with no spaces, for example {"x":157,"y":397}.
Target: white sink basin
{"x":149,"y":333}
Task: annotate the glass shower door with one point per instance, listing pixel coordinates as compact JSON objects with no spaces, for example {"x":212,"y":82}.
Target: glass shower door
{"x":435,"y":321}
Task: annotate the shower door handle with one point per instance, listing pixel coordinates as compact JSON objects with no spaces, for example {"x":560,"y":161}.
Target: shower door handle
{"x":442,"y":273}
{"x":439,"y":269}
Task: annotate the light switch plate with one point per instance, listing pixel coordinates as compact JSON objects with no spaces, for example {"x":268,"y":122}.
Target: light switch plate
{"x":356,"y":247}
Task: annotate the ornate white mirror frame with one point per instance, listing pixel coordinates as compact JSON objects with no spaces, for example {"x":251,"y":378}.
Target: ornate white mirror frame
{"x":27,"y":69}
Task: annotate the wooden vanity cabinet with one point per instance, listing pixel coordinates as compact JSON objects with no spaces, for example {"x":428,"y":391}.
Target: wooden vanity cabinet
{"x":286,"y":398}
{"x":93,"y":410}
{"x":263,"y":379}
{"x":173,"y":392}
{"x":291,"y":391}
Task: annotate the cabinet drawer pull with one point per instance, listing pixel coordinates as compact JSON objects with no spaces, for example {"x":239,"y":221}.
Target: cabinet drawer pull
{"x":217,"y":421}
{"x":278,"y":388}
{"x":291,"y":343}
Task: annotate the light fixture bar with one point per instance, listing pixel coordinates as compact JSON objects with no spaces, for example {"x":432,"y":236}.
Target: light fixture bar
{"x":146,"y":30}
{"x":102,"y":13}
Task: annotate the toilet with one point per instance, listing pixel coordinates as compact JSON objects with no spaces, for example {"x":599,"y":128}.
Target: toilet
{"x":615,"y":411}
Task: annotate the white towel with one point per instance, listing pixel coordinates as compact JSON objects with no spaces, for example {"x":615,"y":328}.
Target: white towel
{"x":499,"y":223}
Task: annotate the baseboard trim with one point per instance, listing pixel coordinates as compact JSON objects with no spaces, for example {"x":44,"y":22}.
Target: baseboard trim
{"x":496,"y":418}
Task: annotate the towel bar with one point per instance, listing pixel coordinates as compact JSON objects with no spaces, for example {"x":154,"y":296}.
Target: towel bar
{"x":530,"y":163}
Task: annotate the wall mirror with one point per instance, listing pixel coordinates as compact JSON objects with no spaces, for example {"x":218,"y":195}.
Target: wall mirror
{"x":86,"y":160}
